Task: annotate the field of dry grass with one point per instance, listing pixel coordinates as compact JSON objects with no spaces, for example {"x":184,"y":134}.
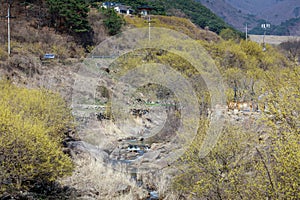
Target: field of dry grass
{"x":272,"y":39}
{"x":93,"y":179}
{"x":182,"y":25}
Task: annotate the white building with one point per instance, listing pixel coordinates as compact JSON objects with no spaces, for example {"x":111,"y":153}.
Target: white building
{"x":122,"y":9}
{"x":107,"y":5}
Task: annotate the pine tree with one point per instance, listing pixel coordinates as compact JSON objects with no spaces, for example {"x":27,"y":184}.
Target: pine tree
{"x":69,"y":15}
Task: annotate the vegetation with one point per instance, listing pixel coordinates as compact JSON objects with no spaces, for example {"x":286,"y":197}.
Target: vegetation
{"x":71,"y":16}
{"x":260,"y":161}
{"x":256,"y":159}
{"x":32,"y":126}
{"x":182,"y":25}
{"x":291,"y":50}
{"x":243,"y":65}
{"x":112,"y":21}
{"x":229,"y":34}
{"x":199,"y":14}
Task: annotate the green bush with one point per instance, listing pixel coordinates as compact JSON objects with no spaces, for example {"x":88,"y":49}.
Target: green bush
{"x":113,"y":22}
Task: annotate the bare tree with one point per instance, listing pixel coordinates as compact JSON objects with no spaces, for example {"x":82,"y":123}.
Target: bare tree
{"x":292,"y":49}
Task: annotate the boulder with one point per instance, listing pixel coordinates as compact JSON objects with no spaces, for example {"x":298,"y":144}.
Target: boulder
{"x":79,"y":147}
{"x":150,"y":156}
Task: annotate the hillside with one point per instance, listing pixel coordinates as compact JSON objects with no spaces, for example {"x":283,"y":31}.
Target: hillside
{"x":254,"y":13}
{"x":182,"y":25}
{"x":124,"y":111}
{"x":196,"y":12}
{"x":274,"y":11}
{"x":231,"y":14}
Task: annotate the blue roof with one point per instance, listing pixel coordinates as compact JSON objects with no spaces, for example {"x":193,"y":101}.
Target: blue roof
{"x":109,"y":3}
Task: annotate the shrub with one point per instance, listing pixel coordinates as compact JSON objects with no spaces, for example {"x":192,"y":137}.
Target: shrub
{"x":113,"y":22}
{"x":229,"y":34}
{"x":32,"y":126}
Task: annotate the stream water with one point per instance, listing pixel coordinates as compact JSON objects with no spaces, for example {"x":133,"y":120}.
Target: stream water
{"x":129,"y":151}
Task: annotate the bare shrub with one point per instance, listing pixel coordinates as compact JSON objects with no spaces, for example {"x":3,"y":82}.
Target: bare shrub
{"x":161,"y":182}
{"x":292,"y":49}
{"x":92,"y":178}
{"x":96,"y":20}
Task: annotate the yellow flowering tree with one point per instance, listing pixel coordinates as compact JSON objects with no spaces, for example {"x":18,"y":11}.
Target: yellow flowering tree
{"x":32,"y":126}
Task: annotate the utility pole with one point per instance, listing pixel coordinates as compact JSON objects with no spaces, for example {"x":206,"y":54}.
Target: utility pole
{"x":265,"y":26}
{"x":8,"y":28}
{"x":9,"y":3}
{"x":149,"y":22}
{"x":149,"y":27}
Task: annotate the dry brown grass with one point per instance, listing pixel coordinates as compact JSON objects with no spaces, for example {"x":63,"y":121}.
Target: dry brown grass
{"x":29,"y":38}
{"x":161,"y":181}
{"x":182,"y":25}
{"x":97,"y":176}
{"x":96,"y":20}
{"x":95,"y":180}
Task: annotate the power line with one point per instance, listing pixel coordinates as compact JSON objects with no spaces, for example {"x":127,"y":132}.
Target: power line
{"x":265,"y":26}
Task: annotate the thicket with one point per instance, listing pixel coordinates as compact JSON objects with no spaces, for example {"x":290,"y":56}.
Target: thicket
{"x":247,"y":164}
{"x":243,"y":65}
{"x":291,"y":49}
{"x":71,"y":16}
{"x":37,"y":20}
{"x":33,"y":124}
{"x":259,"y":161}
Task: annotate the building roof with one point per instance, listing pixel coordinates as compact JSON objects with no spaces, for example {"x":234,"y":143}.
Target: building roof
{"x":123,"y":7}
{"x":107,"y":3}
{"x":145,"y":7}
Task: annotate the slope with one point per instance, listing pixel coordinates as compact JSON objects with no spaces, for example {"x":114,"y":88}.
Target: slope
{"x":254,"y":13}
{"x":199,"y":14}
{"x":275,"y":11}
{"x":231,"y":14}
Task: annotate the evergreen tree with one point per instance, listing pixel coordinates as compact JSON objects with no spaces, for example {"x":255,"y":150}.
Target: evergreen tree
{"x":113,"y":22}
{"x":71,"y":16}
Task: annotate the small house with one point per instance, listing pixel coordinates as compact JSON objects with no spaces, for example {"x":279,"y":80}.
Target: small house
{"x":122,"y":9}
{"x":144,"y":10}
